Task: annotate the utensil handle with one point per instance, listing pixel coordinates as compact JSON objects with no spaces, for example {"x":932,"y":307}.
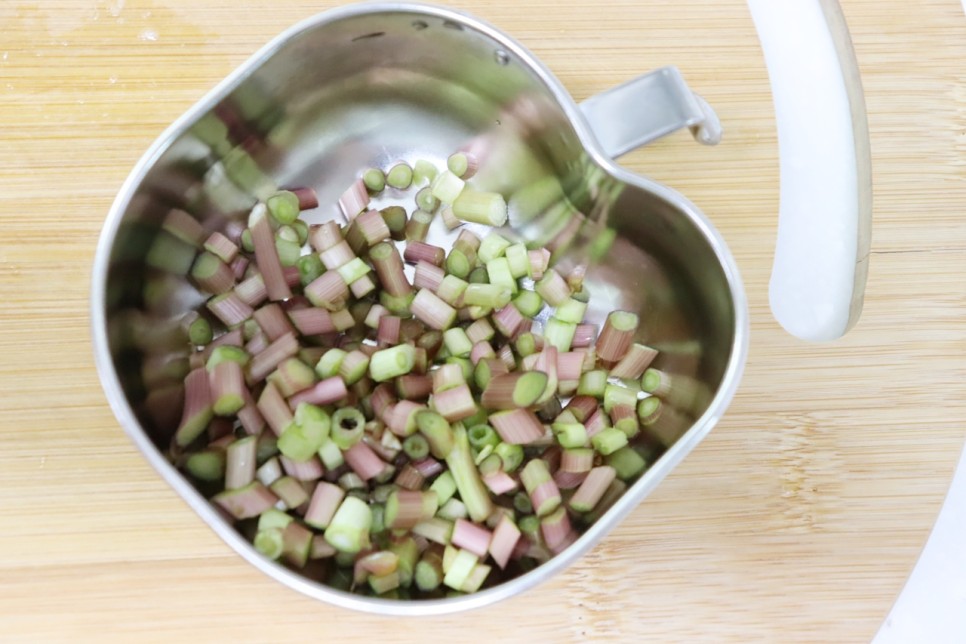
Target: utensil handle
{"x":646,"y":108}
{"x":825,"y":204}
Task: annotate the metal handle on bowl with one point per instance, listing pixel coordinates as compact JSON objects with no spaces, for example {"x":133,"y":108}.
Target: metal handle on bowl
{"x":646,"y":108}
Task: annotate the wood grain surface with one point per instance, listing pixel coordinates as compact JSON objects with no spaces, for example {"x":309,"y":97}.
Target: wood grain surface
{"x":798,"y":519}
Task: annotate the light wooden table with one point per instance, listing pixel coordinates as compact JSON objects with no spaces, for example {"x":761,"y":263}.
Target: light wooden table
{"x":799,"y":518}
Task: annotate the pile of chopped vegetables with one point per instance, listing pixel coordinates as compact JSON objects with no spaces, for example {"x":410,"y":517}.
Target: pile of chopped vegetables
{"x":407,"y":438}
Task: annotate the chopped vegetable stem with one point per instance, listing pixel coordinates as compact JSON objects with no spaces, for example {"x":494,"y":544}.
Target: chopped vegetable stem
{"x":472,"y":491}
{"x":407,"y":407}
{"x":348,"y":531}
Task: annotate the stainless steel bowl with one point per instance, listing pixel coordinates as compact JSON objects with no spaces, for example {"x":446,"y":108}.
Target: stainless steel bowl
{"x":372,"y":84}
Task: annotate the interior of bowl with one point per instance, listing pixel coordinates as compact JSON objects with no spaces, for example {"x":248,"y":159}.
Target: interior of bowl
{"x":373,"y":89}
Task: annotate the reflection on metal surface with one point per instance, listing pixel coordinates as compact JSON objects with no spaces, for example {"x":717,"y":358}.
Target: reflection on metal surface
{"x":315,"y":106}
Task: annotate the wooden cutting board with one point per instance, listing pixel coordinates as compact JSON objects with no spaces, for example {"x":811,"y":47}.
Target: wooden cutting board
{"x":798,"y":519}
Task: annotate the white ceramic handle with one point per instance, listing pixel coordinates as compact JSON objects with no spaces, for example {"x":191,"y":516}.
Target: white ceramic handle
{"x":825,"y":210}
